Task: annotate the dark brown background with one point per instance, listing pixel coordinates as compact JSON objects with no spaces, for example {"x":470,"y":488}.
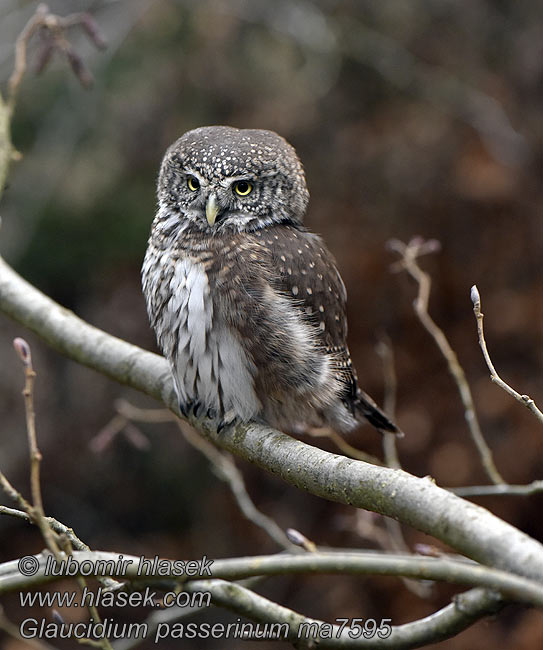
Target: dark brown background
{"x":420,"y":118}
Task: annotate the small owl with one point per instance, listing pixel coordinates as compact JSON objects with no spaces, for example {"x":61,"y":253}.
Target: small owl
{"x":247,"y":305}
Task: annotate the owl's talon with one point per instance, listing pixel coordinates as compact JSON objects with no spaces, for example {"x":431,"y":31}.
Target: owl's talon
{"x":184,"y":409}
{"x":190,"y":408}
{"x":222,"y":425}
{"x":229,"y":419}
{"x":197,"y":409}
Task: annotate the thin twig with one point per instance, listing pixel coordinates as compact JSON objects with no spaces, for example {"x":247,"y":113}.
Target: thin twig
{"x":228,"y":472}
{"x":57,"y":526}
{"x":340,"y":442}
{"x":390,"y":451}
{"x":526,"y":400}
{"x":21,"y":45}
{"x":14,"y":632}
{"x":535,"y":487}
{"x":23,"y":350}
{"x":409,"y":254}
{"x":64,"y":532}
{"x":53,"y":28}
{"x":385,"y":351}
{"x":368,"y":526}
{"x":14,"y":494}
{"x":93,"y":611}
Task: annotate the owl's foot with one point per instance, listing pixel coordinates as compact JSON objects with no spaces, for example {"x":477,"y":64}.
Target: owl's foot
{"x":192,"y":408}
{"x":196,"y":409}
{"x":227,"y":420}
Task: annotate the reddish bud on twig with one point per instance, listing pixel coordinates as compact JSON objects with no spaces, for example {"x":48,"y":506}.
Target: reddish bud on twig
{"x":23,"y":350}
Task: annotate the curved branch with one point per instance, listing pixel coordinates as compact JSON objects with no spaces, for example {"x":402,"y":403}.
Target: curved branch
{"x":443,"y":624}
{"x":470,"y":529}
{"x":534,"y":487}
{"x":102,"y":563}
{"x":479,"y":316}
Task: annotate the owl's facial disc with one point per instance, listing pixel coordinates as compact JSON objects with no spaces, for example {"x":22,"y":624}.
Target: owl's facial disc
{"x":221,"y":202}
{"x":221,"y":179}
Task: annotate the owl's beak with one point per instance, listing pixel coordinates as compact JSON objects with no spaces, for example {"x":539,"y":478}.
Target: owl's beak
{"x":212,"y":209}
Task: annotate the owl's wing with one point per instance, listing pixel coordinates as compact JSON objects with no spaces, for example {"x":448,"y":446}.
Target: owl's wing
{"x":308,"y":275}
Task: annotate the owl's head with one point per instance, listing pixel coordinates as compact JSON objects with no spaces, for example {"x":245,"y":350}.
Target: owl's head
{"x":219,"y":177}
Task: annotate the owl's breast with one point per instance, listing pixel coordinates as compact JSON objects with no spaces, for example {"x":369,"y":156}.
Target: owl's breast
{"x":209,"y":363}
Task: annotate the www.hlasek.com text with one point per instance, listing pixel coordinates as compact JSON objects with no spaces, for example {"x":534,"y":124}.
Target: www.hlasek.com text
{"x":107,"y":598}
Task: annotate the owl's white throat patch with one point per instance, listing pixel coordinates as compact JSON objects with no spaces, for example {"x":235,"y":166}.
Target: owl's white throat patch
{"x":209,"y":365}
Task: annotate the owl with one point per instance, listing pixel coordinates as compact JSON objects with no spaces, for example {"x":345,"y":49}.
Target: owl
{"x":248,"y":305}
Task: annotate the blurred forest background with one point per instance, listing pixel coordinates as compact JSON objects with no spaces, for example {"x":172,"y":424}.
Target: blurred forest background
{"x":411,"y":118}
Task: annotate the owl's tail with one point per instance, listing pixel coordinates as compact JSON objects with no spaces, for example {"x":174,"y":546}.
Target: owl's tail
{"x":365,"y":406}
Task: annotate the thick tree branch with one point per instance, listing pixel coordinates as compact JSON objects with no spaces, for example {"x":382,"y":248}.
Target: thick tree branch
{"x":468,"y":528}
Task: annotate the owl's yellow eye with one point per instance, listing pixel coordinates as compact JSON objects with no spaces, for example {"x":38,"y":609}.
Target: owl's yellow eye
{"x":193,"y":183}
{"x":243,"y":188}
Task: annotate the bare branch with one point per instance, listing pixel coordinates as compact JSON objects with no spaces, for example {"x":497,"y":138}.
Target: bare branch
{"x":14,"y":494}
{"x":396,"y":539}
{"x":466,"y":527}
{"x":54,"y":524}
{"x":52,"y":29}
{"x":385,"y":351}
{"x":23,"y":350}
{"x":343,"y":446}
{"x":409,"y":254}
{"x":13,"y":631}
{"x":447,"y":622}
{"x":492,"y":490}
{"x":464,"y":611}
{"x":515,"y":587}
{"x":526,"y":400}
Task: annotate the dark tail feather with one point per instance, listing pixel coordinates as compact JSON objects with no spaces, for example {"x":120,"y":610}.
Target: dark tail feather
{"x":369,"y":409}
